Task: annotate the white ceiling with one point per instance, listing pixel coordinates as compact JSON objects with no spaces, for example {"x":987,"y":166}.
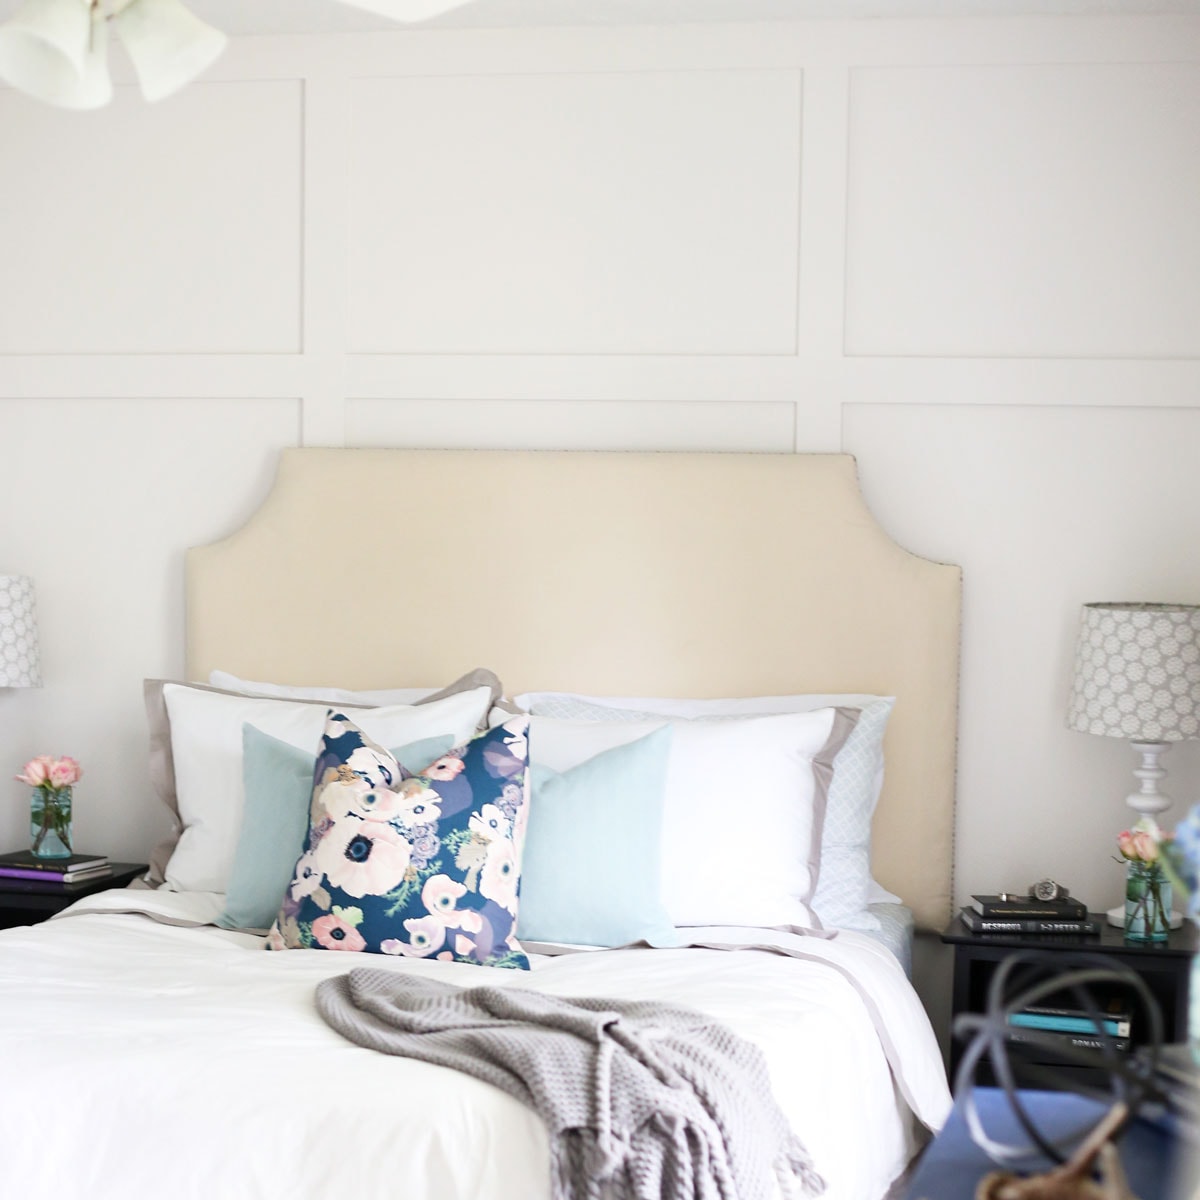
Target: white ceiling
{"x":240,"y":17}
{"x":330,"y":16}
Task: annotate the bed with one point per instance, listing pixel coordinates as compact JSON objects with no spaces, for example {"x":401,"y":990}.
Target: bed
{"x":160,"y":1050}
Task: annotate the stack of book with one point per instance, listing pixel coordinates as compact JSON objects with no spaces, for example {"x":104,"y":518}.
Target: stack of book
{"x":23,"y":866}
{"x":1024,"y":915}
{"x":1071,"y":1026}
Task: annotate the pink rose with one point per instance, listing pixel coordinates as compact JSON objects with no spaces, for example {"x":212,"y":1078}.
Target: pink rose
{"x":1146,"y":846}
{"x":64,"y":772}
{"x":36,"y":772}
{"x":1140,"y":845}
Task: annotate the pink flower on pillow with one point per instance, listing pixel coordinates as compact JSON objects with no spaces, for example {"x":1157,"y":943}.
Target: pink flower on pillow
{"x":363,"y":858}
{"x":308,"y":877}
{"x":334,"y":932}
{"x":489,"y":823}
{"x":498,"y":879}
{"x":468,"y":920}
{"x":338,"y":796}
{"x":426,"y":935}
{"x":440,"y":894}
{"x":378,"y":804}
{"x":376,"y":766}
{"x":446,"y":768}
{"x":417,"y":804}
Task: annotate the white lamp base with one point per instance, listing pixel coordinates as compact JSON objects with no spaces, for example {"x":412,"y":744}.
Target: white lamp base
{"x":1116,"y":916}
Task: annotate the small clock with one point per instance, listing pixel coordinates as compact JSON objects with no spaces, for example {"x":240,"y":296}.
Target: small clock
{"x":1047,"y":889}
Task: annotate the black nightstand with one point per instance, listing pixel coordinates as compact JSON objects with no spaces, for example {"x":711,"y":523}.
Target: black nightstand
{"x":1164,"y":967}
{"x":28,"y":901}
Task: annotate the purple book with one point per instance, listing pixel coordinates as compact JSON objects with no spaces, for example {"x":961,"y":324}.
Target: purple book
{"x":46,"y":876}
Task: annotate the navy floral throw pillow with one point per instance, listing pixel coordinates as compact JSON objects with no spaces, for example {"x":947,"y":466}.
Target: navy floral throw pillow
{"x":423,"y":865}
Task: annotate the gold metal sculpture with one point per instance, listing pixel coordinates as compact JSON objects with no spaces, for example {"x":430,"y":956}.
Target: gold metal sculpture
{"x":1073,"y":1179}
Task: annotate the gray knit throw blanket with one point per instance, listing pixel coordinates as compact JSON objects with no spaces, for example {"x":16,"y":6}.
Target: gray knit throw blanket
{"x":641,"y":1100}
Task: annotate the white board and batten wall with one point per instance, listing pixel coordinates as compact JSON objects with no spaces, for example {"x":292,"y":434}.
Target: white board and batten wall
{"x":965,"y":251}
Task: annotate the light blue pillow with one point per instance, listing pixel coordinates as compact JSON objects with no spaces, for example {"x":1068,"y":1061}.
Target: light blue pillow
{"x":278,"y":780}
{"x":591,"y":865}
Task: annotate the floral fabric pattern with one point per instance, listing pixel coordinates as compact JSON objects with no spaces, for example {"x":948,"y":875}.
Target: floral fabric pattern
{"x":424,"y":865}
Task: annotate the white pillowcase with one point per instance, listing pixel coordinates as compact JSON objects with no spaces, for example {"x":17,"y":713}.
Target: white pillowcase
{"x":283,"y":691}
{"x":206,"y":743}
{"x":741,"y":813}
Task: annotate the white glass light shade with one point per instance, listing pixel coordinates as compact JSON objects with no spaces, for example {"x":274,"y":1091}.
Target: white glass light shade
{"x":168,"y":45}
{"x":56,"y":51}
{"x":407,"y":10}
{"x":19,"y":661}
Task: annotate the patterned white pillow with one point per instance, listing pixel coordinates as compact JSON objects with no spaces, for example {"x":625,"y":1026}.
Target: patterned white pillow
{"x":844,"y":884}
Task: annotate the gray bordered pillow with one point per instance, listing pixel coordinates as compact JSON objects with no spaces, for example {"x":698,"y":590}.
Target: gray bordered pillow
{"x":162,"y":762}
{"x":845,"y":889}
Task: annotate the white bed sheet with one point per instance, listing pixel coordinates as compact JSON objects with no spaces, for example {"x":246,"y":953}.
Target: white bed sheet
{"x":146,"y":1058}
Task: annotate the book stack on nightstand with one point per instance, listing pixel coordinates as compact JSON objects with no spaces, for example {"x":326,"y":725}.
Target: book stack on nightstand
{"x":1025,"y":915}
{"x":23,"y":864}
{"x":1070,"y":1026}
{"x":31,"y":890}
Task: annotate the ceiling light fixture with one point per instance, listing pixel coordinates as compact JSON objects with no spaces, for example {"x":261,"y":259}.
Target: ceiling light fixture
{"x":57,"y":50}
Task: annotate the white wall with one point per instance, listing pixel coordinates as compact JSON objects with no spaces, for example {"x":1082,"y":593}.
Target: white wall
{"x":966,"y":252}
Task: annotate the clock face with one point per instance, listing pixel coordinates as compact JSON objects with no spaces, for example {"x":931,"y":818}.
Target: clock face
{"x":1045,"y":889}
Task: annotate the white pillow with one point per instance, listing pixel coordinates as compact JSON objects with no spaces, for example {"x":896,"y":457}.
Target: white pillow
{"x":845,"y":889}
{"x":742,"y":810}
{"x":284,"y":691}
{"x":206,"y":743}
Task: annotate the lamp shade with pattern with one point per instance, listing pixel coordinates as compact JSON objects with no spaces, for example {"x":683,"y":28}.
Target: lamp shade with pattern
{"x":20,"y":665}
{"x":1137,"y":677}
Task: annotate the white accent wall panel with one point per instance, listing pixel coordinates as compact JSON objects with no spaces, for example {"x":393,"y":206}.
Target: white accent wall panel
{"x":109,"y":494}
{"x":153,"y":229}
{"x":604,"y":213}
{"x":1046,"y":508}
{"x":1036,"y":210}
{"x":955,"y":248}
{"x":572,"y":425}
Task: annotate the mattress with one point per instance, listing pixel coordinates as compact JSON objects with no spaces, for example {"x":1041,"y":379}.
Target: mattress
{"x":160,"y":1055}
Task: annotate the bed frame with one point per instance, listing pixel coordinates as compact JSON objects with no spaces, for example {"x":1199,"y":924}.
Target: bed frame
{"x":607,"y":573}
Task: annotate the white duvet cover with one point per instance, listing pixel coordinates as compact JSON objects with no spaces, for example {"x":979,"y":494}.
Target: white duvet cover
{"x":148,"y":1059}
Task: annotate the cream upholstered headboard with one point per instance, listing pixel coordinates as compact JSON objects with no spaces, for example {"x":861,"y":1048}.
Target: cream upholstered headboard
{"x":607,"y":573}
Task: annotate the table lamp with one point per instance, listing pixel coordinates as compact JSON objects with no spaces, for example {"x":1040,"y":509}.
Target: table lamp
{"x":19,"y":663}
{"x":1137,"y":677}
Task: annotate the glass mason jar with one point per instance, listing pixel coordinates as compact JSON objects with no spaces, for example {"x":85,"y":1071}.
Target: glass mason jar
{"x":1147,"y":902}
{"x":50,"y":822}
{"x":1194,"y":1010}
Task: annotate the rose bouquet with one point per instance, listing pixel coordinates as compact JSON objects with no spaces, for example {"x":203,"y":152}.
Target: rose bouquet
{"x":1147,"y":887}
{"x":50,"y":812}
